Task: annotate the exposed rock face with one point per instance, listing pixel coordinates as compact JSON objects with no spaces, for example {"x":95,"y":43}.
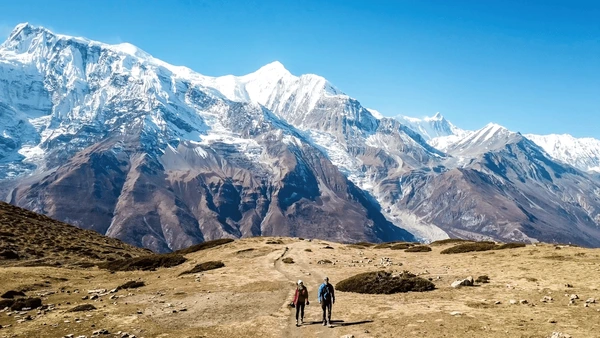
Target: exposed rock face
{"x":135,"y":149}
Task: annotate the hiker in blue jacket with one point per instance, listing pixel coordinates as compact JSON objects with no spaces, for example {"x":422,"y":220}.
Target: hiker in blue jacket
{"x":326,"y":299}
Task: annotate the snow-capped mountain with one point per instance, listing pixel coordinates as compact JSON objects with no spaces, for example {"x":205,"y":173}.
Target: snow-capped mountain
{"x":109,"y":138}
{"x":431,"y":127}
{"x":582,"y":153}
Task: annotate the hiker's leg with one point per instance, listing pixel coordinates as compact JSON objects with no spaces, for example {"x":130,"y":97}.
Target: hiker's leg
{"x":297,"y":310}
{"x":302,"y":312}
{"x":329,"y":306}
{"x":324,"y":307}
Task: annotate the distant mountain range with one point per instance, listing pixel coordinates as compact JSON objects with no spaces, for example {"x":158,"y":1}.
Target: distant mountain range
{"x":108,"y":138}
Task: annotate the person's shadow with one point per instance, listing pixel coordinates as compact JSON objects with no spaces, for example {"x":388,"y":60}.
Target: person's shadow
{"x":336,"y":323}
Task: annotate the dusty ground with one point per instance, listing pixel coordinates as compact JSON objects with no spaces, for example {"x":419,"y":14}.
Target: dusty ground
{"x":249,"y":296}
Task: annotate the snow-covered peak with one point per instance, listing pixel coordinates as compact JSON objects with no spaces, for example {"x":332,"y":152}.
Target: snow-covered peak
{"x":436,"y":117}
{"x":492,"y":136}
{"x":376,"y":114}
{"x":273,"y":70}
{"x":582,"y":153}
{"x":431,"y":127}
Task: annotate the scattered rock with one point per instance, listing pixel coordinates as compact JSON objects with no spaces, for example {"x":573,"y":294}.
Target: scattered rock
{"x":546,"y":299}
{"x":523,"y":301}
{"x":559,"y":335}
{"x":463,"y":282}
{"x":97,"y":291}
{"x":591,"y":301}
{"x":483,"y":279}
{"x":497,"y":302}
{"x":456,"y":313}
{"x":348,"y":336}
{"x":552,"y":321}
{"x":513,"y":302}
{"x":100,"y":332}
{"x":325,"y":261}
{"x":574,"y":297}
{"x":94,"y":297}
{"x":31,"y":303}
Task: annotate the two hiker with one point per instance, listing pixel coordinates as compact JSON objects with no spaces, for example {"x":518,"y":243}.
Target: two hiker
{"x":326,"y":299}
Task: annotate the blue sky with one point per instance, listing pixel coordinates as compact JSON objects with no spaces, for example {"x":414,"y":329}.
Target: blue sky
{"x":532,"y":66}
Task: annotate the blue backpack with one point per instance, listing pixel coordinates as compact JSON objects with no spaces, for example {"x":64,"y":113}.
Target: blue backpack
{"x":325,"y":294}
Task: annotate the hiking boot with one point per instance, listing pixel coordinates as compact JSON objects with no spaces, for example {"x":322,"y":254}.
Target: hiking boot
{"x":297,"y":323}
{"x":324,"y":323}
{"x":302,"y":321}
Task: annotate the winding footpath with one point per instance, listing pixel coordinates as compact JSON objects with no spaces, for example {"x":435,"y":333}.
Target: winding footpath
{"x":312,"y":315}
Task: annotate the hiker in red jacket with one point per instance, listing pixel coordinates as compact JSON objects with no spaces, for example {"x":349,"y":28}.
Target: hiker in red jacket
{"x":300,"y":299}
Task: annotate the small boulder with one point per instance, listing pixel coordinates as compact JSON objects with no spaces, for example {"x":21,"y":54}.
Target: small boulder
{"x":591,"y":301}
{"x":463,"y":282}
{"x":83,"y":308}
{"x":20,"y":304}
{"x":131,"y":285}
{"x":12,"y":294}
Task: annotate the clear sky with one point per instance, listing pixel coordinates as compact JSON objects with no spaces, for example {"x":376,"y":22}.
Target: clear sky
{"x":532,"y":66}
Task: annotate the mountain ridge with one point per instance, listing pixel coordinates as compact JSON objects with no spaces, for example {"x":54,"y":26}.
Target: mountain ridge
{"x":164,"y":157}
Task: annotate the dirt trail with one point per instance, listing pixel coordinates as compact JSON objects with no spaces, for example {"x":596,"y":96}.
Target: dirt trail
{"x":312,"y":314}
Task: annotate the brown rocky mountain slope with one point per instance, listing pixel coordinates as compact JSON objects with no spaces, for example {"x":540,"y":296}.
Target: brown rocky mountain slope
{"x":30,"y":239}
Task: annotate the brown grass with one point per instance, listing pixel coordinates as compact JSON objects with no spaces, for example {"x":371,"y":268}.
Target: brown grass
{"x":470,"y":247}
{"x":382,"y":282}
{"x":146,"y":263}
{"x":30,"y":239}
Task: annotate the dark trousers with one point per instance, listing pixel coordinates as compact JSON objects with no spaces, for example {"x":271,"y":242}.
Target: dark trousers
{"x":326,"y":306}
{"x":300,"y":310}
